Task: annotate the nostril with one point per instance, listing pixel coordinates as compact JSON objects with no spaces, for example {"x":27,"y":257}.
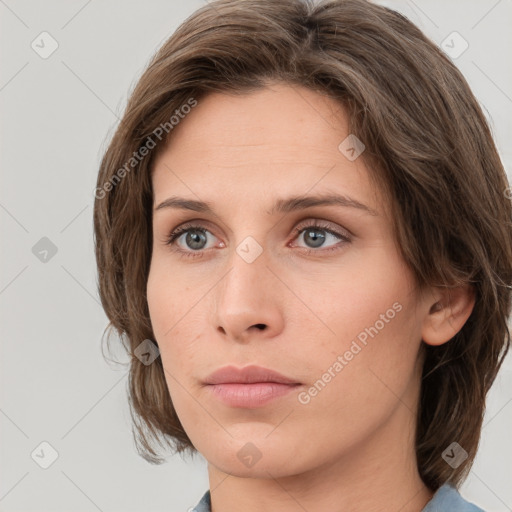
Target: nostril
{"x":260,"y":326}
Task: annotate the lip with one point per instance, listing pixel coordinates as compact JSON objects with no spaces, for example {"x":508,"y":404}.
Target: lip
{"x":247,"y":375}
{"x":249,"y":387}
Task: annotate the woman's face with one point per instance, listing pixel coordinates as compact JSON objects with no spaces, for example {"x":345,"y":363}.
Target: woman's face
{"x":317,"y":293}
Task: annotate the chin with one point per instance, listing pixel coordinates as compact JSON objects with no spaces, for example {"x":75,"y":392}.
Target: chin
{"x":259,"y":458}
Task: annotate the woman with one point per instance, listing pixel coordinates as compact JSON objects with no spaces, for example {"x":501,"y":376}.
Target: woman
{"x":303,"y":235}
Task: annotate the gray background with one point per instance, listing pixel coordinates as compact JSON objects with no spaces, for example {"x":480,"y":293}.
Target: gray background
{"x":57,"y":116}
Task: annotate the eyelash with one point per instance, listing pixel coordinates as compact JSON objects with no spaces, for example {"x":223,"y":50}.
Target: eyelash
{"x":297,"y":230}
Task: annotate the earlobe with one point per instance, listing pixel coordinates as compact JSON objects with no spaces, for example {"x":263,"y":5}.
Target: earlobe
{"x":448,"y":314}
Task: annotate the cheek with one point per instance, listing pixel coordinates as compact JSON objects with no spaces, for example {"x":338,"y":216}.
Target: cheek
{"x":172,"y":317}
{"x":366,"y":345}
{"x":370,"y":290}
{"x":355,"y":386}
{"x":167,"y":294}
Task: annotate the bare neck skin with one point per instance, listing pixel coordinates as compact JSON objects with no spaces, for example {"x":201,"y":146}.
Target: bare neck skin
{"x":379,"y":475}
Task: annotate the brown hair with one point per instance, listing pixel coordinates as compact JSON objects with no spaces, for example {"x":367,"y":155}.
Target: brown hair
{"x":427,"y":143}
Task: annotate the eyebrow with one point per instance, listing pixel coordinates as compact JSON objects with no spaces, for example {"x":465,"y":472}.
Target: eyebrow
{"x":284,"y":205}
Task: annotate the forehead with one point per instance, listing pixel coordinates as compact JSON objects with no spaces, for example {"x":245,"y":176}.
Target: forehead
{"x":280,"y":114}
{"x":277,"y":138}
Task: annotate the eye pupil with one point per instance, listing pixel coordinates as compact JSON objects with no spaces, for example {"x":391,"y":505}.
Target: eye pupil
{"x":317,"y":239}
{"x":193,"y":237}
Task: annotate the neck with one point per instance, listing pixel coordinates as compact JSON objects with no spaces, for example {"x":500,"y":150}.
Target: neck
{"x":379,"y":473}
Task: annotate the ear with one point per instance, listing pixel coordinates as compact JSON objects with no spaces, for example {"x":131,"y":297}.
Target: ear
{"x":448,"y":313}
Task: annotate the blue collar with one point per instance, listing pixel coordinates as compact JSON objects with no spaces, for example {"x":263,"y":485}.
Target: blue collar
{"x":446,"y":499}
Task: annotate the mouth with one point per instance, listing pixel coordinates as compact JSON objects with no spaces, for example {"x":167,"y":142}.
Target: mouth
{"x":249,"y":387}
{"x":252,"y":395}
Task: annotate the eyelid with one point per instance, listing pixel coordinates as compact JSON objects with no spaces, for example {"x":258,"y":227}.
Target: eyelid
{"x":328,"y":225}
{"x":342,"y":234}
{"x":190,"y":224}
{"x":307,"y":222}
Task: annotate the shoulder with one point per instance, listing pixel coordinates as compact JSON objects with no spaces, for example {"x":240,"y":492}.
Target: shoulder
{"x":204,"y":504}
{"x":448,"y":499}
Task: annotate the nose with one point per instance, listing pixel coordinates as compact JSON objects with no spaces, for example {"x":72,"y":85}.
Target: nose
{"x":248,"y":301}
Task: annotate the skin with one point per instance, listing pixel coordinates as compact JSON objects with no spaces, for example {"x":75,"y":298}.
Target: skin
{"x":351,"y":447}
